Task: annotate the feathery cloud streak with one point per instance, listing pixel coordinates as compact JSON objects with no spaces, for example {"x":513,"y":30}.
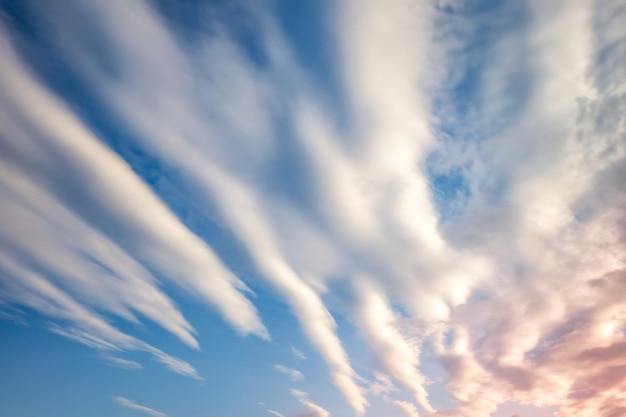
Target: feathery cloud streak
{"x":125,"y":402}
{"x":315,"y":410}
{"x":78,"y":219}
{"x":294,"y":374}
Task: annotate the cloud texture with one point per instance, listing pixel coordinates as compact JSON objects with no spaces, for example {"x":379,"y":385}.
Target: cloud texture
{"x":490,"y":234}
{"x":125,"y":402}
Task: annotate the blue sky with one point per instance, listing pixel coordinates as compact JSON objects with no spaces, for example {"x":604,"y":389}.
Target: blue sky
{"x":312,"y":208}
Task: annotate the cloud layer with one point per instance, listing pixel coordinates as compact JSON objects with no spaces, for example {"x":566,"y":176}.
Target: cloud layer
{"x":458,"y":200}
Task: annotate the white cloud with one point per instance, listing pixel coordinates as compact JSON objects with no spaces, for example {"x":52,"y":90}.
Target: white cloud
{"x":526,"y":338}
{"x":298,"y":354}
{"x":129,"y":404}
{"x":76,"y":220}
{"x":178,"y":138}
{"x":515,"y":292}
{"x":315,"y":409}
{"x":34,"y":291}
{"x":276,"y":413}
{"x":382,"y":386}
{"x":407,"y":408}
{"x":393,"y":352}
{"x":120,"y":362}
{"x":294,"y":374}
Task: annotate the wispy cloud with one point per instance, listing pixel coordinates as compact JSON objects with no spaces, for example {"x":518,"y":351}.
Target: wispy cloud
{"x":522,"y":341}
{"x":394,"y":353}
{"x":298,"y":354}
{"x":315,"y":409}
{"x":89,"y":244}
{"x":176,"y":139}
{"x":124,"y":402}
{"x":120,"y":362}
{"x":512,"y":271}
{"x":407,"y":408}
{"x":382,"y":386}
{"x":294,"y":374}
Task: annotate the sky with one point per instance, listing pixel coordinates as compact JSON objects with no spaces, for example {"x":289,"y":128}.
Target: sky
{"x":312,"y":208}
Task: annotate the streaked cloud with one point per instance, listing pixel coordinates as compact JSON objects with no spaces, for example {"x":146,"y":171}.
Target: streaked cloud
{"x":62,"y":249}
{"x":120,"y":362}
{"x":382,"y":386}
{"x":314,"y":409}
{"x":407,"y":408}
{"x":175,"y":139}
{"x":125,"y":402}
{"x":460,"y":196}
{"x":294,"y":374}
{"x":298,"y":354}
{"x":394,"y":353}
